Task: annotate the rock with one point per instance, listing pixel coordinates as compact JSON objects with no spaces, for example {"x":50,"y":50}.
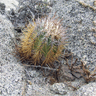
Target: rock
{"x":87,"y":90}
{"x":59,"y":88}
{"x":2,"y":8}
{"x":78,"y":83}
{"x":11,"y":72}
{"x":10,"y":4}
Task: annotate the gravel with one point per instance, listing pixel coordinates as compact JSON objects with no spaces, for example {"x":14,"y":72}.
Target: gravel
{"x":79,"y":20}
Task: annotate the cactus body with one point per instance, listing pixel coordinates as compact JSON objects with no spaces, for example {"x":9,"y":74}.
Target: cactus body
{"x":42,"y":42}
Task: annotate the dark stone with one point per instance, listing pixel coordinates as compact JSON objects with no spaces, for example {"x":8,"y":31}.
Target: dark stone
{"x":2,"y":8}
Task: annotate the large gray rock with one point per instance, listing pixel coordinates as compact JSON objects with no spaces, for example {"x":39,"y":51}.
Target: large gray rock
{"x":87,"y":90}
{"x":11,"y":72}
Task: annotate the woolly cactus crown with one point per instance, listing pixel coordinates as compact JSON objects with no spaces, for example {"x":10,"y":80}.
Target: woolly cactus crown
{"x":52,"y":27}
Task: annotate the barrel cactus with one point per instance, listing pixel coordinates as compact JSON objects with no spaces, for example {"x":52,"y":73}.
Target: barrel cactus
{"x":42,"y":41}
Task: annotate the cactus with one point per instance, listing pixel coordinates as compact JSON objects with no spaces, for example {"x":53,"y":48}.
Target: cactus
{"x":42,"y":42}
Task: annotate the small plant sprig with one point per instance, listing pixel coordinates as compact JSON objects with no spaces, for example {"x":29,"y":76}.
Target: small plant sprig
{"x":42,"y":42}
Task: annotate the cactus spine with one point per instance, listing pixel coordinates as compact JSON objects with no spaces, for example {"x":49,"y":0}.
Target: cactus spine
{"x":42,"y":42}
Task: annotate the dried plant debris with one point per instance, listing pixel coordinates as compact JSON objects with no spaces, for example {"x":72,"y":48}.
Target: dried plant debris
{"x":78,"y":70}
{"x":69,"y":71}
{"x":89,"y":75}
{"x":87,"y":5}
